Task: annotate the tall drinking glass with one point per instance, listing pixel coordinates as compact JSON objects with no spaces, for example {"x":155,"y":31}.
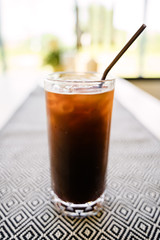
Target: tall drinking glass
{"x":79,"y":109}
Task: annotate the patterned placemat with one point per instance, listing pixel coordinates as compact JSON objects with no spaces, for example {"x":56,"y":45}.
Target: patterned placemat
{"x":132,"y":201}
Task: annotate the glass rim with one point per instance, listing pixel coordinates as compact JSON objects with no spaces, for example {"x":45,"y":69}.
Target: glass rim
{"x":52,"y":77}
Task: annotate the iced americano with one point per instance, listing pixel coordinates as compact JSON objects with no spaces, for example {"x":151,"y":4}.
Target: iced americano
{"x":79,"y":130}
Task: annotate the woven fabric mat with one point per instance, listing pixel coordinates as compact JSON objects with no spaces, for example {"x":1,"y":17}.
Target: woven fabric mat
{"x":132,"y":202}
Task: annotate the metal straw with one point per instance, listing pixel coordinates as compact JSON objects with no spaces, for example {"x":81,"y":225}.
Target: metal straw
{"x":133,"y":38}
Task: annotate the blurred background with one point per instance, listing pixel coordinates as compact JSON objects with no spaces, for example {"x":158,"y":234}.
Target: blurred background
{"x":42,"y":36}
{"x":49,"y":34}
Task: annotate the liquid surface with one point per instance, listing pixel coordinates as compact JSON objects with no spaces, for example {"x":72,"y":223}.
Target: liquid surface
{"x":79,"y":129}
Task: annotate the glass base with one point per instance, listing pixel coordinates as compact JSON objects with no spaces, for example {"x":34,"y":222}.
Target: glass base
{"x":77,"y":210}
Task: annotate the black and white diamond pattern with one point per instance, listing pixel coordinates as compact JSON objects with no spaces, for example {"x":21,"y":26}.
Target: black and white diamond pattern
{"x":113,"y":229}
{"x":156,"y":234}
{"x":110,"y":199}
{"x":25,"y":191}
{"x":58,"y":231}
{"x":29,"y":232}
{"x":34,"y":203}
{"x":10,"y":203}
{"x":133,"y":236}
{"x":149,"y":210}
{"x":151,"y":193}
{"x":4,"y":231}
{"x":5,"y":190}
{"x":142,"y":226}
{"x":18,"y":219}
{"x":86,"y":230}
{"x":46,"y":217}
{"x":123,"y":213}
{"x":132,"y":197}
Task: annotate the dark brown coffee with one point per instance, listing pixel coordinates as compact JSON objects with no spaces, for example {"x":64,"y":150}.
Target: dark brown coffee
{"x":79,"y":129}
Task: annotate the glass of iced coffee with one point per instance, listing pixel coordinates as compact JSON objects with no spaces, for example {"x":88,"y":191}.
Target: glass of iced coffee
{"x":79,"y":110}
